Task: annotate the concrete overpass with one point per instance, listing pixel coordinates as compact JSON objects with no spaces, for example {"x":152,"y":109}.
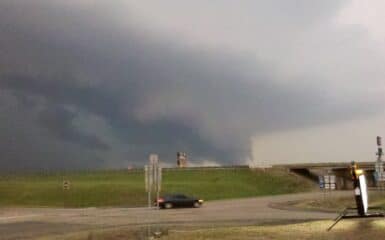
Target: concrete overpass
{"x":326,"y":166}
{"x":340,"y":169}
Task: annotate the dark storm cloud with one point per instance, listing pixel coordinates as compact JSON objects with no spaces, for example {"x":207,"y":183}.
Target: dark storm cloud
{"x":142,"y":138}
{"x":59,"y":121}
{"x":27,"y":146}
{"x":66,"y":64}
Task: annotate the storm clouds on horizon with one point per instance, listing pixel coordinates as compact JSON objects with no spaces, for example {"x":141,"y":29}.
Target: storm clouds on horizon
{"x":91,"y":84}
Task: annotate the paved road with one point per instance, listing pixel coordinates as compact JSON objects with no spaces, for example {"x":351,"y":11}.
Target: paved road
{"x":28,"y":223}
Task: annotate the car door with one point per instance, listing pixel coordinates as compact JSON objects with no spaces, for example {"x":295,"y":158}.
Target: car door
{"x":175,"y":200}
{"x":185,"y":201}
{"x":182,"y":200}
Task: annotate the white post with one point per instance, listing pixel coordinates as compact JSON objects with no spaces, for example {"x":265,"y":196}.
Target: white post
{"x":153,"y":178}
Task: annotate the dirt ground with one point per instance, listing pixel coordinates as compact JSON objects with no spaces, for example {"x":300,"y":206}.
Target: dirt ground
{"x":57,"y":223}
{"x":315,"y":230}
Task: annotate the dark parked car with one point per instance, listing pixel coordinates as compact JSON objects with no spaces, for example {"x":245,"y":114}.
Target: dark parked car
{"x":178,"y":200}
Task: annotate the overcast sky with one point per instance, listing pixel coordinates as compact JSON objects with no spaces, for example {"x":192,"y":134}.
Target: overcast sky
{"x":101,"y":84}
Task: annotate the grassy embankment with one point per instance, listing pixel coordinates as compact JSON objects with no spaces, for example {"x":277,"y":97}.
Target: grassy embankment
{"x":126,"y":188}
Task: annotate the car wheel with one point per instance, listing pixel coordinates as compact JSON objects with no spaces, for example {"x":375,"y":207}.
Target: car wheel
{"x":197,"y":204}
{"x":168,"y":205}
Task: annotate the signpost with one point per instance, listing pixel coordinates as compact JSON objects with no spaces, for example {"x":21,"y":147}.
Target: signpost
{"x":153,"y":178}
{"x":66,"y":185}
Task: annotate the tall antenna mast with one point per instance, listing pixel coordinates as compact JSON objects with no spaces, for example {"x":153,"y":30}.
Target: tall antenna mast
{"x":379,"y":147}
{"x":379,"y":165}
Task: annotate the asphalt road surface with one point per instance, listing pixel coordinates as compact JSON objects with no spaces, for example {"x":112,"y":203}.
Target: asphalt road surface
{"x":30,"y":223}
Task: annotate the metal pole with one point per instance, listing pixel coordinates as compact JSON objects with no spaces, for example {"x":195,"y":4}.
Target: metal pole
{"x":155,"y":172}
{"x":151,"y":180}
{"x":149,"y":199}
{"x":379,"y":167}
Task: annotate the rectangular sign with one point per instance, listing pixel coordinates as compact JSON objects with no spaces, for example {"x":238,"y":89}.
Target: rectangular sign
{"x":327,"y":182}
{"x":364,"y":192}
{"x":332,"y":179}
{"x":66,"y":185}
{"x":327,"y":179}
{"x":154,"y":159}
{"x":321,"y":182}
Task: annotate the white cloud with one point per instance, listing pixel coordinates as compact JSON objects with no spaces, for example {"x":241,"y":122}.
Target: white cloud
{"x":342,"y":142}
{"x":368,"y":14}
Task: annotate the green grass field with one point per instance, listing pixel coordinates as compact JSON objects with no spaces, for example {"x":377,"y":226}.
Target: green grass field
{"x":126,"y":188}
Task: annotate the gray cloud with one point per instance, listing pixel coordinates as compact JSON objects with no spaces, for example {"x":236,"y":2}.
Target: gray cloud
{"x":66,"y":64}
{"x":59,"y":121}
